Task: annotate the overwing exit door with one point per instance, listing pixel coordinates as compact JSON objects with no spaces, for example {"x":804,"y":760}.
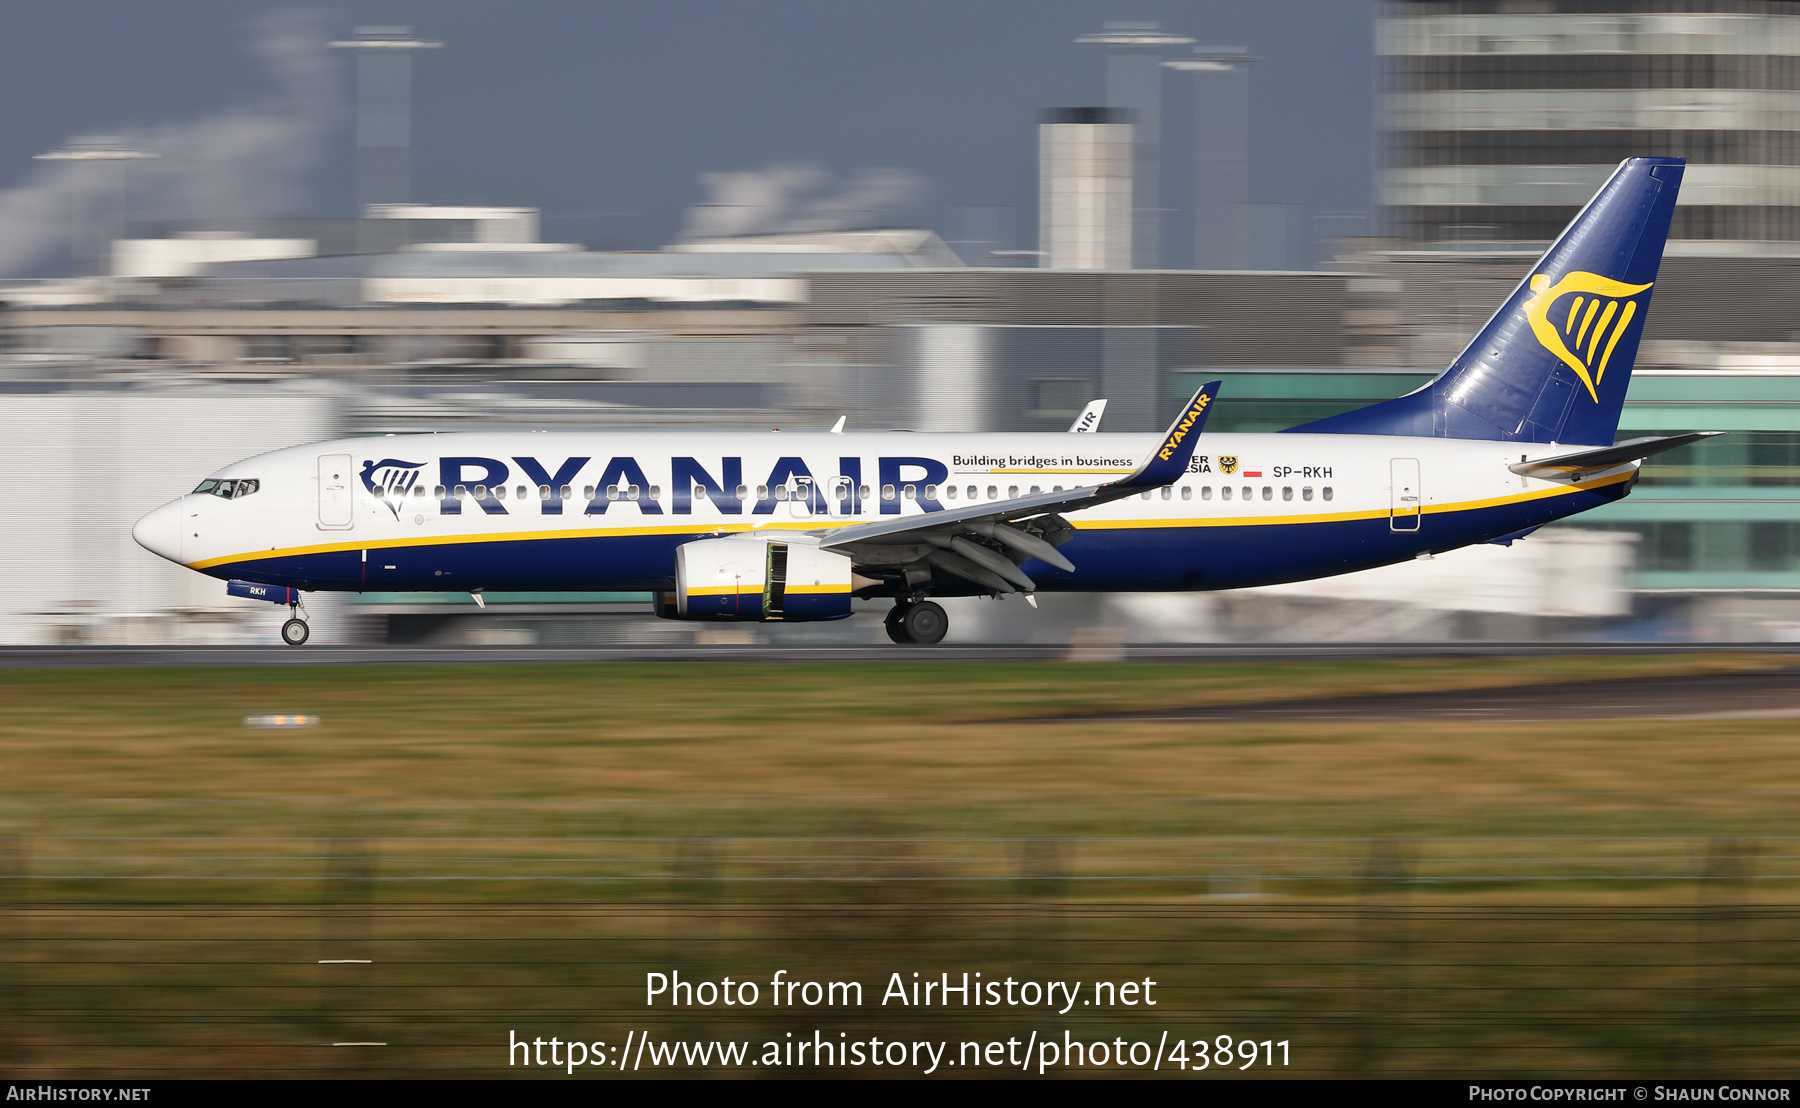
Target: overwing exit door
{"x":800,"y":498}
{"x":1404,"y":509}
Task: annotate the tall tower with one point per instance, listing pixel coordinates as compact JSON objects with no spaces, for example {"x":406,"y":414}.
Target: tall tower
{"x":1085,"y":189}
{"x":91,"y":224}
{"x":383,"y":112}
{"x":1134,"y":87}
{"x":1221,"y":154}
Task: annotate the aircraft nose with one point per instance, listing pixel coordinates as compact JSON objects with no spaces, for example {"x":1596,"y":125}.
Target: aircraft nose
{"x":160,"y":531}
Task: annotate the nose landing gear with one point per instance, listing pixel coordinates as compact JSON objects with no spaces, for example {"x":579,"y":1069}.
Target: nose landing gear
{"x":919,"y":622}
{"x":295,"y":632}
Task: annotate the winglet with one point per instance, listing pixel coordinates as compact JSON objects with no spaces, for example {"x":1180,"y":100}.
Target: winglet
{"x":838,"y":427}
{"x":1089,"y":419}
{"x":1170,"y":460}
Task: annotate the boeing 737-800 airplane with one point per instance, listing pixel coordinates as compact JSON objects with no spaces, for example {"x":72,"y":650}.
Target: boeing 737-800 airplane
{"x":1517,"y":432}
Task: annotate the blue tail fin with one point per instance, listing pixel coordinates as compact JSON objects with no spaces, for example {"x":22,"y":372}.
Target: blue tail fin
{"x":1553,"y":363}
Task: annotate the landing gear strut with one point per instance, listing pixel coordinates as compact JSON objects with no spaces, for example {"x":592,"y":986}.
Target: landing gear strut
{"x":919,"y":622}
{"x":295,"y":632}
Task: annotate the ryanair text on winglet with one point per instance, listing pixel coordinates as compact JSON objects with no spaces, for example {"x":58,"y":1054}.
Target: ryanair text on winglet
{"x":1187,"y":424}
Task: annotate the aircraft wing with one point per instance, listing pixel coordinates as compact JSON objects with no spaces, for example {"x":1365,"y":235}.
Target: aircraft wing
{"x":954,"y":536}
{"x":1605,"y":457}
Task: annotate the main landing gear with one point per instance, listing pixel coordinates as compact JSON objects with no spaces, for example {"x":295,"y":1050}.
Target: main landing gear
{"x":918,"y":621}
{"x":295,"y":632}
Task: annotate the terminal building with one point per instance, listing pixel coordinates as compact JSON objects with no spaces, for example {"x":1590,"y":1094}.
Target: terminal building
{"x":1499,"y":120}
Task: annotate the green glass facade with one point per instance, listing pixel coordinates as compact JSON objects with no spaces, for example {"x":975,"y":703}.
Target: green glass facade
{"x":1720,"y":514}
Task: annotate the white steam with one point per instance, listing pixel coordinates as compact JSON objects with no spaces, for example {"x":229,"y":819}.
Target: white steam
{"x":242,"y":162}
{"x":788,"y":198}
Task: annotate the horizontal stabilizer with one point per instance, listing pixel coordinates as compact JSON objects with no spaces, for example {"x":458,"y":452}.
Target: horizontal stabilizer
{"x":1604,"y":457}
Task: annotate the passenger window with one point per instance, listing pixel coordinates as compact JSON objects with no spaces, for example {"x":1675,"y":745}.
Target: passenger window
{"x":418,"y":492}
{"x":993,"y":492}
{"x":1268,"y":492}
{"x":1187,"y":493}
{"x":1225,"y":492}
{"x":781,"y":492}
{"x":743,"y":492}
{"x":974,"y":493}
{"x":544,"y":492}
{"x":1057,"y":488}
{"x":912,"y":493}
{"x":1206,"y":492}
{"x":1012,"y":491}
{"x":656,"y":492}
{"x":1249,"y":492}
{"x":699,"y":492}
{"x":1035,"y":490}
{"x":1145,"y":494}
{"x":950,"y":492}
{"x":438,"y":491}
{"x":462,"y":492}
{"x":633,"y":492}
{"x":887,"y":492}
{"x":1306,"y":493}
{"x":481,"y":492}
{"x":500,"y":493}
{"x":587,"y":492}
{"x":931,"y":492}
{"x":522,"y":492}
{"x":1326,"y":492}
{"x":1287,"y":494}
{"x":862,"y":491}
{"x":1167,"y":493}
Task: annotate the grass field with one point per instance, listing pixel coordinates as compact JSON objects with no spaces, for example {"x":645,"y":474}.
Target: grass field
{"x":514,"y":846}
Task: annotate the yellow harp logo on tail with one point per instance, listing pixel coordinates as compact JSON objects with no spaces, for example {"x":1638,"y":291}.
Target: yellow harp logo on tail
{"x":1594,"y":321}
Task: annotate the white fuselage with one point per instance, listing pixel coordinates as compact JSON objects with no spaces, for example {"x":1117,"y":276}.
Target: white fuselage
{"x":525,"y":510}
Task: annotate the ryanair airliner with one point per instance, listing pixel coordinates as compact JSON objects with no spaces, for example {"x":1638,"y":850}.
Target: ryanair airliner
{"x":1517,"y":432}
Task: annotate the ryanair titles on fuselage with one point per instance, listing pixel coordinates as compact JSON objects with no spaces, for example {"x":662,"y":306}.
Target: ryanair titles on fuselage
{"x":462,"y":481}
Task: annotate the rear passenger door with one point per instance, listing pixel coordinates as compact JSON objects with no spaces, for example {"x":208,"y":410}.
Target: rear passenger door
{"x":1407,"y":499}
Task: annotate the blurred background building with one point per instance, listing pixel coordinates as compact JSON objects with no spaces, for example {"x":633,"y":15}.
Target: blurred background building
{"x":183,"y":346}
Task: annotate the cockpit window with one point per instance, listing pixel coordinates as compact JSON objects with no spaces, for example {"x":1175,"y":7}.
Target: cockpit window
{"x":226,"y":490}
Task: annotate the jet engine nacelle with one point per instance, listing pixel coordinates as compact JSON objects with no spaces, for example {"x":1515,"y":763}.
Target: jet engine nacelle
{"x":757,"y":578}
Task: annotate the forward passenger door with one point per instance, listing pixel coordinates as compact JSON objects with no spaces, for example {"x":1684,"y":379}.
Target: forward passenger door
{"x":334,"y":492}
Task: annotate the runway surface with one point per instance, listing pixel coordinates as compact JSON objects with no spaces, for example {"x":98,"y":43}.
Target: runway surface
{"x":1771,"y":694}
{"x":32,"y":657}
